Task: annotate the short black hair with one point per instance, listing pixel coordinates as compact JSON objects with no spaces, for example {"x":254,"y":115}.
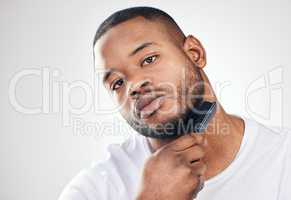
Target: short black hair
{"x":120,"y":16}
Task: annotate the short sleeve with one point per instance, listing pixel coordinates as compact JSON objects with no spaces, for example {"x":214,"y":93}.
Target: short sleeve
{"x":89,"y":184}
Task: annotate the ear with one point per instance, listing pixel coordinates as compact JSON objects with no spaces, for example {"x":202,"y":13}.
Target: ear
{"x":195,"y":51}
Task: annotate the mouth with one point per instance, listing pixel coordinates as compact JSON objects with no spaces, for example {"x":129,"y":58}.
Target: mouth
{"x":147,"y":106}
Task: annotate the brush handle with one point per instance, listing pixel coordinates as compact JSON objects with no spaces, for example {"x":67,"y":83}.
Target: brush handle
{"x":206,"y":112}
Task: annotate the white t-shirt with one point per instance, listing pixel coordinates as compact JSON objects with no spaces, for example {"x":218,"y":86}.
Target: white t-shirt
{"x":261,"y":170}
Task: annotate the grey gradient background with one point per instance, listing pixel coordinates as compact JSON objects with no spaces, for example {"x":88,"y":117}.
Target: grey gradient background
{"x":248,"y":46}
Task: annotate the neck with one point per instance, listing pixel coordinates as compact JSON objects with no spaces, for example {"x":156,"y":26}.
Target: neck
{"x":223,"y":138}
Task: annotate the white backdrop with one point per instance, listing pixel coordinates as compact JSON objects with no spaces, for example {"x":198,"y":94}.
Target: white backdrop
{"x":47,"y":74}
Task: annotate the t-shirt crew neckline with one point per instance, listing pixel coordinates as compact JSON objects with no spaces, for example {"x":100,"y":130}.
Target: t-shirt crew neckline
{"x":247,"y":140}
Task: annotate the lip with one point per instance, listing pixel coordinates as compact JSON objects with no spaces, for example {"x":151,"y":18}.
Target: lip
{"x":146,"y":105}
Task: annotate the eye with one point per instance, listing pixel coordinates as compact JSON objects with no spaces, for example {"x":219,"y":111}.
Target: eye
{"x":149,"y":60}
{"x":117,"y":84}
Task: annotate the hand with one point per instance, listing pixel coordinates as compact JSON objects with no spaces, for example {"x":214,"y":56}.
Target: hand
{"x":175,"y":171}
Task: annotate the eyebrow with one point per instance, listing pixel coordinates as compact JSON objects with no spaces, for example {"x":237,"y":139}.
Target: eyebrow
{"x":135,"y":51}
{"x":141,"y":47}
{"x":106,"y":75}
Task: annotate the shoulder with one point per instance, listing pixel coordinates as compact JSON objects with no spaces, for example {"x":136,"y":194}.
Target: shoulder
{"x":104,"y":179}
{"x":277,"y":133}
{"x":283,"y":151}
{"x":266,"y":142}
{"x":265,"y":134}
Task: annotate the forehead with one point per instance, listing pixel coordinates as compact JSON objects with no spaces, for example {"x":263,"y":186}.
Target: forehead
{"x":118,"y":42}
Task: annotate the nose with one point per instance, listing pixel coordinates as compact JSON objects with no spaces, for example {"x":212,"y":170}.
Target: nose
{"x":138,"y":88}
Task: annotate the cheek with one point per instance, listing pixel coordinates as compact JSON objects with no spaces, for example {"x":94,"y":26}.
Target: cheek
{"x":122,"y":102}
{"x":168,"y":78}
{"x":126,"y":111}
{"x":171,"y":78}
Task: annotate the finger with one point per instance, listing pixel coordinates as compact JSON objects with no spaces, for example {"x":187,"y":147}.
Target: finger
{"x":199,"y":186}
{"x":192,"y":154}
{"x":185,"y":142}
{"x":198,"y":168}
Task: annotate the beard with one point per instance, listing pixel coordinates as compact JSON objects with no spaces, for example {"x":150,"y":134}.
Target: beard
{"x":186,"y":122}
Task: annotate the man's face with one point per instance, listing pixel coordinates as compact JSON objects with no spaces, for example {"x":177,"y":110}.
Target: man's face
{"x":152,"y":78}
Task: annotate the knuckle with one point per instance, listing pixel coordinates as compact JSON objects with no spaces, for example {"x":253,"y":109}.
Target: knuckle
{"x":199,"y":168}
{"x":187,"y":170}
{"x":201,"y":151}
{"x":182,"y":143}
{"x":194,"y":182}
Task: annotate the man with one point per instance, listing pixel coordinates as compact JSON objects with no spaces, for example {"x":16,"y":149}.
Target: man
{"x":156,"y":74}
